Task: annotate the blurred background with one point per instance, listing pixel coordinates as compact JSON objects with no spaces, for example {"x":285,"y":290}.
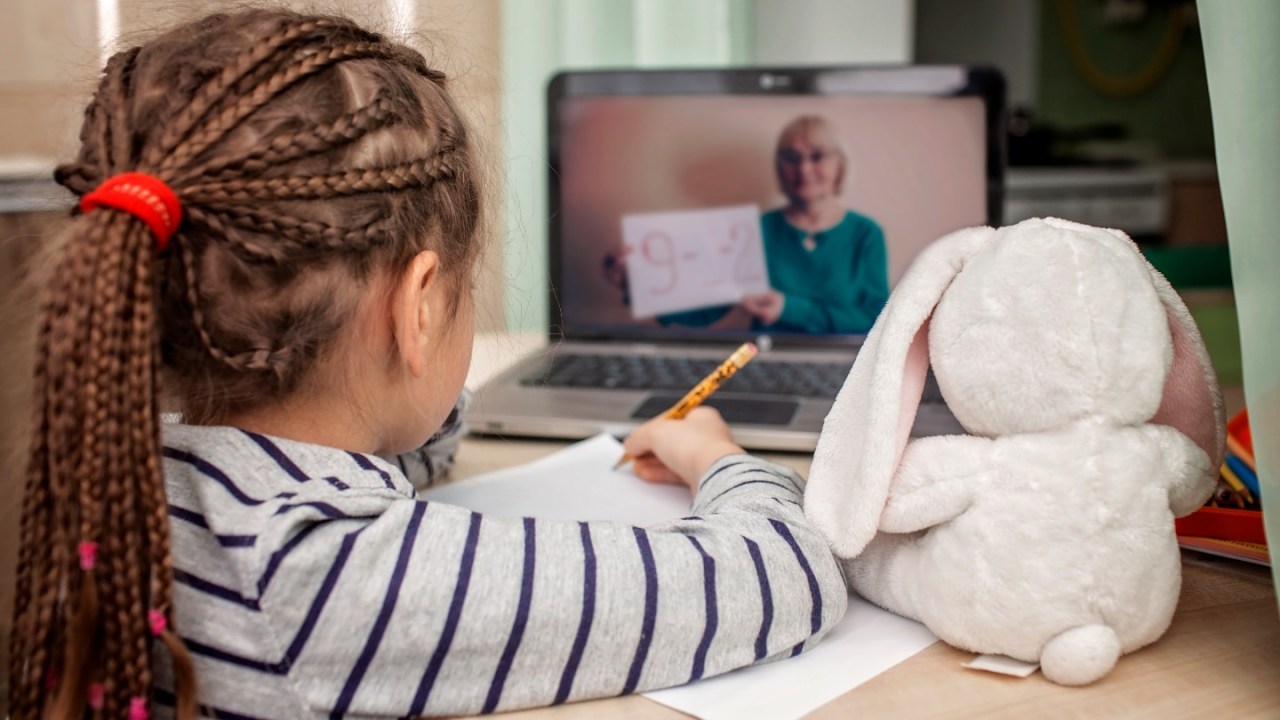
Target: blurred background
{"x":1109,"y":122}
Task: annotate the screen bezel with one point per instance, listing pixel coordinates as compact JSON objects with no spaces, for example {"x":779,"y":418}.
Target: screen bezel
{"x":986,"y":84}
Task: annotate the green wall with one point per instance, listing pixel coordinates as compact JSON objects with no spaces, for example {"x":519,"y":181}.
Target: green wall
{"x":1173,"y":114}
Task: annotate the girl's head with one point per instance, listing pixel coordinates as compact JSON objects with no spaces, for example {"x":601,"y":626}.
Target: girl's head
{"x":810,"y":161}
{"x":320,"y":168}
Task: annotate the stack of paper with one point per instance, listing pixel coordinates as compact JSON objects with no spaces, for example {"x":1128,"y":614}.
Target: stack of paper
{"x":866,"y":643}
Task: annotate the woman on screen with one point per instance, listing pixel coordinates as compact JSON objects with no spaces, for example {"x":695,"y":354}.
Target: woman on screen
{"x":828,"y":267}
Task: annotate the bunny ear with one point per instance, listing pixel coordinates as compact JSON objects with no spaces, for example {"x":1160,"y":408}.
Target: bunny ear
{"x":1192,"y":401}
{"x":867,"y":429}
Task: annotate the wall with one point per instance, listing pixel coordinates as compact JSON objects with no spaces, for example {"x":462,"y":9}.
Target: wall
{"x":820,"y":32}
{"x":48,"y":56}
{"x":1172,"y":117}
{"x":999,"y":33}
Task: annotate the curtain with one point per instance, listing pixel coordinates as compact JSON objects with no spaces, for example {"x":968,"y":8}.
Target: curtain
{"x":1242,"y":61}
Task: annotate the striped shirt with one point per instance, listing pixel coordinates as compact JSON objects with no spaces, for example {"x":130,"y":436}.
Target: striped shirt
{"x":311,"y":582}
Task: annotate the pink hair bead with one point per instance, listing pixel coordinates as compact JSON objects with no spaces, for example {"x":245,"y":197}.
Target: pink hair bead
{"x":88,"y":555}
{"x":138,"y":708}
{"x":157,"y":621}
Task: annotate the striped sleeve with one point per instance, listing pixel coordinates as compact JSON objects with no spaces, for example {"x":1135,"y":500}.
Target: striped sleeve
{"x":433,"y":609}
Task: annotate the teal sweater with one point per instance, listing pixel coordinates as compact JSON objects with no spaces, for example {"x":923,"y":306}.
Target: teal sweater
{"x":838,"y":287}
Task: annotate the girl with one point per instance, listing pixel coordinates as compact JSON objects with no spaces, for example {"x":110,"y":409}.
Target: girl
{"x":279,"y":214}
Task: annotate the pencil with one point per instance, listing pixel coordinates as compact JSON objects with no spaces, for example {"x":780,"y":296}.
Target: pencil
{"x":1238,"y":449}
{"x":703,"y":389}
{"x":1234,"y":481}
{"x":1244,"y":474}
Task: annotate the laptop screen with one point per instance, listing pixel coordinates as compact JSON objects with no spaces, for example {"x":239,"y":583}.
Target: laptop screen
{"x":726,"y":205}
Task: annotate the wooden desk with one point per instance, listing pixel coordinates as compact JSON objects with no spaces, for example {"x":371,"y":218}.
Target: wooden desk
{"x":1219,"y":659}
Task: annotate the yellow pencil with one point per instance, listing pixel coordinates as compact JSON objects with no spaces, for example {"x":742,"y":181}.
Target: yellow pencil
{"x":1235,"y":483}
{"x":703,"y":390}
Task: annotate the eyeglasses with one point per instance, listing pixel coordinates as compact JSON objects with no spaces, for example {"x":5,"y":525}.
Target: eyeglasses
{"x":795,"y":158}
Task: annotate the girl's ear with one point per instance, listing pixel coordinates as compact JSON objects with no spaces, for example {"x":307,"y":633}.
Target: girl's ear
{"x":412,"y":311}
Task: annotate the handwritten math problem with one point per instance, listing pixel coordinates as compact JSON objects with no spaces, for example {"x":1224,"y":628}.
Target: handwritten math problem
{"x":691,"y":259}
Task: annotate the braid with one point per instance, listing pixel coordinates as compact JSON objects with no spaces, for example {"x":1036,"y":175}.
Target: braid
{"x":65,"y":423}
{"x":257,"y":359}
{"x":215,"y":91}
{"x":79,"y":178}
{"x":99,"y":383}
{"x":118,"y":78}
{"x":35,"y":575}
{"x":413,"y":174}
{"x":310,"y":64}
{"x":33,"y":556}
{"x":292,"y":235}
{"x":287,"y":148}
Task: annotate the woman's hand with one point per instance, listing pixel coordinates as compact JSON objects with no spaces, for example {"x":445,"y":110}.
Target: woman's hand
{"x":680,"y":451}
{"x":766,"y":307}
{"x":614,"y":268}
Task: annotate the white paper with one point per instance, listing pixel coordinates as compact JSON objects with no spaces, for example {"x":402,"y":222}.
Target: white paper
{"x":867,"y":641}
{"x":1002,"y":664}
{"x":572,"y":484}
{"x":693,"y":258}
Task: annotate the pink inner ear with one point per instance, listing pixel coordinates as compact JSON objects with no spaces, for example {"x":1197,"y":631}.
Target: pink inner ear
{"x":915,"y":367}
{"x":1188,"y":403}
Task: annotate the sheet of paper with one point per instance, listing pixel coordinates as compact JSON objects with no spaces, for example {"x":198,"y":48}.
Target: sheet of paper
{"x":867,"y":641}
{"x":693,"y":258}
{"x":580,"y":472}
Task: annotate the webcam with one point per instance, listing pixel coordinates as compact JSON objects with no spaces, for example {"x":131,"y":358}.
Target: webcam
{"x":769,"y":81}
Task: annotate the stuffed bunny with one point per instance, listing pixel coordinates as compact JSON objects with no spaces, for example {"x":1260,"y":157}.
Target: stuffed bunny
{"x":1094,"y":419}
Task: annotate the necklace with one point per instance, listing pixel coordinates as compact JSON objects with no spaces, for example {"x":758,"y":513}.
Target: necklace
{"x":809,"y":243}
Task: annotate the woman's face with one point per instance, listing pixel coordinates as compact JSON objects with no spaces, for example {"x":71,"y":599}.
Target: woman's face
{"x":808,"y":169}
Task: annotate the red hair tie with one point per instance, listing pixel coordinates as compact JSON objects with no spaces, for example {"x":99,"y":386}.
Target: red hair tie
{"x":143,"y":196}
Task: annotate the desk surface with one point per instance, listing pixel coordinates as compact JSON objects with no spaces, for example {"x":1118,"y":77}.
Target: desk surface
{"x":1220,"y":657}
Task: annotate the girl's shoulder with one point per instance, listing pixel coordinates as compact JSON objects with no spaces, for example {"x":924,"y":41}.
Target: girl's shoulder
{"x":229,"y":455}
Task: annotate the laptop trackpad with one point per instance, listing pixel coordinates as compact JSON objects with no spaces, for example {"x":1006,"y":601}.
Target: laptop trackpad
{"x":736,"y":411}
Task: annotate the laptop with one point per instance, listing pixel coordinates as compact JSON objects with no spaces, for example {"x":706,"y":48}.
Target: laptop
{"x":694,"y":210}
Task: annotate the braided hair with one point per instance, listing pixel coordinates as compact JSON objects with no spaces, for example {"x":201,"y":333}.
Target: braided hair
{"x":308,"y":154}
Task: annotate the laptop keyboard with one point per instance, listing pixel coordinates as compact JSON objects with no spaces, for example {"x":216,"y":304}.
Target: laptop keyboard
{"x":679,"y":374}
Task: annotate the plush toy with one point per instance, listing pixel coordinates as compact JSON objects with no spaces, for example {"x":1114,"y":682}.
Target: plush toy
{"x":1094,"y":417}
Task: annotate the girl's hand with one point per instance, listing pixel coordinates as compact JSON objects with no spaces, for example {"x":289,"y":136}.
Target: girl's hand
{"x":680,"y":451}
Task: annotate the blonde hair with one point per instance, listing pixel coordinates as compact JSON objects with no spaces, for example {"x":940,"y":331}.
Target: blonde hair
{"x":309,"y":155}
{"x":812,"y":126}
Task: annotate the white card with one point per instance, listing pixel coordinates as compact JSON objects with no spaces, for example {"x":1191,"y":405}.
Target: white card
{"x":693,"y":258}
{"x":1002,"y":664}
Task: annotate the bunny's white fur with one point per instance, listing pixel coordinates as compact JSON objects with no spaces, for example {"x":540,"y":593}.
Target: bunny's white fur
{"x":1095,"y":419}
